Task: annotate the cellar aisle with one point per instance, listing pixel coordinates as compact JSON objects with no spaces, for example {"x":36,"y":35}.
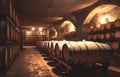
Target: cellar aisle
{"x":30,"y":63}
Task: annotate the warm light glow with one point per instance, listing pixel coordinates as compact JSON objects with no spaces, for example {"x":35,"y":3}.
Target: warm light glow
{"x":71,"y":27}
{"x":83,"y":40}
{"x":105,"y":19}
{"x":28,"y":33}
{"x":40,"y":29}
{"x":33,"y":28}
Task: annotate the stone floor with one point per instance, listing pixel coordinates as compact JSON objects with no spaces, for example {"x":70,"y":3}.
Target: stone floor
{"x":32,"y":63}
{"x":29,"y":63}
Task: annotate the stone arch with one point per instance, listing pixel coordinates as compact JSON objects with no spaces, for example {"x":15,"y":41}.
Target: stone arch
{"x":53,"y":33}
{"x":102,"y":13}
{"x":67,"y":26}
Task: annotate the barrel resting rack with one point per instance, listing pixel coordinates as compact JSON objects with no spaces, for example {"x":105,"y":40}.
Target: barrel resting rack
{"x":59,"y":63}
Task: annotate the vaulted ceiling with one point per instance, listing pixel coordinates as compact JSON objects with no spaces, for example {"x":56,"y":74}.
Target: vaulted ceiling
{"x":36,"y":12}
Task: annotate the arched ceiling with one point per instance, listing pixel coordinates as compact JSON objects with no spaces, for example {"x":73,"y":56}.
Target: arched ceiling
{"x":99,"y":10}
{"x":36,"y":12}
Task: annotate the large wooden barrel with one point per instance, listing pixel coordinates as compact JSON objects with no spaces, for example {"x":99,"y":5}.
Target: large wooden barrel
{"x":108,"y":35}
{"x":117,"y":23}
{"x":102,"y":36}
{"x":95,"y":29}
{"x":14,"y":14}
{"x":67,"y":54}
{"x":3,"y":31}
{"x":58,"y":48}
{"x":115,"y":45}
{"x":38,"y":44}
{"x":11,"y":53}
{"x":52,"y":49}
{"x":8,"y":31}
{"x":49,"y":47}
{"x":43,"y":45}
{"x":11,"y":31}
{"x":84,"y":52}
{"x":109,"y":25}
{"x":102,"y":27}
{"x":91,"y":37}
{"x":11,"y":8}
{"x":95,"y":37}
{"x":4,"y":57}
{"x":105,"y":52}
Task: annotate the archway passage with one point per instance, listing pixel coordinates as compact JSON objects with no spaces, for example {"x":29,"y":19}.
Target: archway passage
{"x":67,"y":30}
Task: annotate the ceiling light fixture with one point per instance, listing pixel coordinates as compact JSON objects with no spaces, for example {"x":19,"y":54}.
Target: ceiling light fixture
{"x":33,"y":28}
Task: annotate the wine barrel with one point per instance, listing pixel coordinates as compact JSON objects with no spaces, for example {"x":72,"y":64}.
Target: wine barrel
{"x":11,"y":53}
{"x":102,"y":36}
{"x":84,"y":52}
{"x":41,"y":45}
{"x":117,"y":23}
{"x":91,"y":37}
{"x":38,"y":45}
{"x":106,"y":53}
{"x":52,"y":49}
{"x":67,"y":54}
{"x":11,"y":32}
{"x":109,"y":25}
{"x":102,"y":27}
{"x":97,"y":52}
{"x":14,"y":14}
{"x":95,"y":29}
{"x":3,"y":30}
{"x":45,"y":46}
{"x":108,"y":35}
{"x":8,"y":31}
{"x":3,"y":57}
{"x":58,"y":48}
{"x":115,"y":45}
{"x":14,"y":51}
{"x":49,"y":47}
{"x":11,"y":8}
{"x":115,"y":35}
{"x":17,"y":50}
{"x":95,"y":37}
{"x":6,"y":57}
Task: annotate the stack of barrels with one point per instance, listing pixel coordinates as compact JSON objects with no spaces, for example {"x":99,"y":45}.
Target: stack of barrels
{"x":9,"y":35}
{"x":76,"y":52}
{"x":109,"y":32}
